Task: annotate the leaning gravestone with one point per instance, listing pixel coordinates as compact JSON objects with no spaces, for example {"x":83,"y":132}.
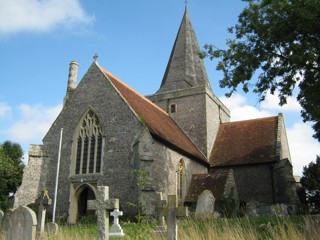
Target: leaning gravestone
{"x":312,"y":227}
{"x":24,"y":222}
{"x":205,"y":205}
{"x":103,"y":205}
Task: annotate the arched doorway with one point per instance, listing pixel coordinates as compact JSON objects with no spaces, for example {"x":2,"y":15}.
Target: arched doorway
{"x":79,"y":197}
{"x":85,"y":195}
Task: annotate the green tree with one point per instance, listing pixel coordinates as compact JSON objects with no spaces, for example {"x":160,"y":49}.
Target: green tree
{"x":311,"y":182}
{"x":11,"y":170}
{"x":276,"y":47}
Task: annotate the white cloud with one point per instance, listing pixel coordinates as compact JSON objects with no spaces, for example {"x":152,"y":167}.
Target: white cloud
{"x":40,"y":15}
{"x":240,"y":110}
{"x":272,"y":103}
{"x":4,"y":110}
{"x":34,"y":123}
{"x":303,"y":147}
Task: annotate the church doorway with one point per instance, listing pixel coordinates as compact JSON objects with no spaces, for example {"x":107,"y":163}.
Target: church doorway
{"x":80,"y":194}
{"x":85,"y":195}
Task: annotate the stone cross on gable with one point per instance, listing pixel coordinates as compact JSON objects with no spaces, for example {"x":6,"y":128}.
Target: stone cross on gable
{"x":172,"y":211}
{"x":43,"y":201}
{"x":103,"y":205}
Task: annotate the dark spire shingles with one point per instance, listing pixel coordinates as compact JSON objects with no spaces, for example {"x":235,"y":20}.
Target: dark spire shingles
{"x":185,"y":68}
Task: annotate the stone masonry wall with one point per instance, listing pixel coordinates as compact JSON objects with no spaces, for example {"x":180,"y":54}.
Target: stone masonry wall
{"x":121,"y":127}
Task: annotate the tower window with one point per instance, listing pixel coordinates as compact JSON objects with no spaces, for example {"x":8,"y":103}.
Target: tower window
{"x":173,"y":108}
{"x":89,"y":145}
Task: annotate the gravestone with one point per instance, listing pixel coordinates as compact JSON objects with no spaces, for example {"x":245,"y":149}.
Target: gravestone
{"x":116,"y":229}
{"x":43,"y":201}
{"x":103,"y":205}
{"x":1,"y":217}
{"x":172,"y":211}
{"x":6,"y":224}
{"x":160,"y":204}
{"x":23,"y":224}
{"x":205,"y":205}
{"x":279,"y":209}
{"x":312,"y":227}
{"x":252,"y":208}
{"x":52,"y":228}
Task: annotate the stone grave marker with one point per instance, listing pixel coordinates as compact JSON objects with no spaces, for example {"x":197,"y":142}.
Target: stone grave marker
{"x":116,"y":229}
{"x":6,"y":224}
{"x":43,"y":201}
{"x":312,"y":227}
{"x":1,"y":217}
{"x":160,"y":203}
{"x":52,"y":228}
{"x":252,"y":208}
{"x":172,"y":211}
{"x":24,"y":222}
{"x":103,"y":205}
{"x":205,"y":205}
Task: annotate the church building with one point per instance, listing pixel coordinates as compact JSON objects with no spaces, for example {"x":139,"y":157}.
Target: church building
{"x":181,"y":137}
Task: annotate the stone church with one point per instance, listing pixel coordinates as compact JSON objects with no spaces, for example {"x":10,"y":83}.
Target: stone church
{"x":181,"y":136}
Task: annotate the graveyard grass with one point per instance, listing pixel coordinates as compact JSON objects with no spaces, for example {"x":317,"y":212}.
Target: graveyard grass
{"x":231,"y":229}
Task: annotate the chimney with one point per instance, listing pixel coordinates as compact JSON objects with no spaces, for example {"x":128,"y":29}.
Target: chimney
{"x":72,"y":78}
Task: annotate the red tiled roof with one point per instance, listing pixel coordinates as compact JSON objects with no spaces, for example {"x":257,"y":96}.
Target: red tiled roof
{"x":214,"y":181}
{"x":245,"y":142}
{"x":157,"y":120}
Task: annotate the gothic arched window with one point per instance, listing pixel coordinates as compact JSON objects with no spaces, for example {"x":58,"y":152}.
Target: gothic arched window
{"x":89,"y":145}
{"x":180,"y":179}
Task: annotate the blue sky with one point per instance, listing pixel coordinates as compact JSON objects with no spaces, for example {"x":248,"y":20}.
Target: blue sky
{"x":38,"y":39}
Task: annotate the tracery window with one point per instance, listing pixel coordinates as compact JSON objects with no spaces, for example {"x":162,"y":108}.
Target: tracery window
{"x":180,"y":179}
{"x":89,"y":145}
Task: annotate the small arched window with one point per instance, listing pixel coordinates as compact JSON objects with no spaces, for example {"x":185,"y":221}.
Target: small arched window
{"x":89,"y":145}
{"x":180,"y":179}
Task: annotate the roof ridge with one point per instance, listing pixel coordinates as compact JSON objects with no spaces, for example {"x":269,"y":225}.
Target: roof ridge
{"x":250,"y":120}
{"x":133,"y":90}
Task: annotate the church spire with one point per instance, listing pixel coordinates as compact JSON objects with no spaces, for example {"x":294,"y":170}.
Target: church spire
{"x":185,"y":68}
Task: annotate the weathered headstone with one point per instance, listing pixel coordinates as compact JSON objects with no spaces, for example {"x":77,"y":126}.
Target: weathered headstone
{"x":205,"y":205}
{"x":43,"y":201}
{"x":7,"y":224}
{"x":279,"y":210}
{"x":312,"y":227}
{"x":172,"y":211}
{"x":103,"y":205}
{"x":52,"y":228}
{"x":1,"y":217}
{"x":24,"y":222}
{"x":116,"y":229}
{"x":252,"y":209}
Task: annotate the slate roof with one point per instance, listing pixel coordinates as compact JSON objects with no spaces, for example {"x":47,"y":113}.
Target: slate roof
{"x":214,"y":181}
{"x":245,"y":142}
{"x":157,"y":120}
{"x":185,"y":68}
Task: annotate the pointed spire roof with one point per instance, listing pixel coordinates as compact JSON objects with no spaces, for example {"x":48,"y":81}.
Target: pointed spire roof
{"x":185,"y":68}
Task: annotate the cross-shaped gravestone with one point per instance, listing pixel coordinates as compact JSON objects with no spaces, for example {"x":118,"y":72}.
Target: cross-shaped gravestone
{"x":103,"y":205}
{"x":116,"y":229}
{"x":172,"y":211}
{"x":43,"y":201}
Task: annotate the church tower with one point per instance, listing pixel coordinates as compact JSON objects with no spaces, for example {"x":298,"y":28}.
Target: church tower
{"x":185,"y":92}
